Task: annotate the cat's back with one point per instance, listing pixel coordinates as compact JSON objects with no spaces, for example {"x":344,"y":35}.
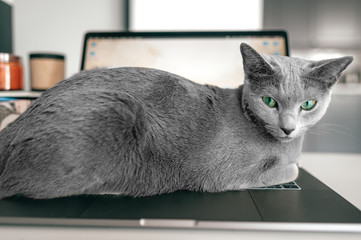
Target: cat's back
{"x":92,"y":98}
{"x":94,"y":89}
{"x":132,"y":80}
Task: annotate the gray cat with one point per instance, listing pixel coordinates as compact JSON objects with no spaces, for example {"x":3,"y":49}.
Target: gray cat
{"x":140,"y":132}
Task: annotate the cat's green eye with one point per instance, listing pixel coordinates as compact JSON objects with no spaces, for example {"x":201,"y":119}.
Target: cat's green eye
{"x":269,"y":102}
{"x":308,"y":105}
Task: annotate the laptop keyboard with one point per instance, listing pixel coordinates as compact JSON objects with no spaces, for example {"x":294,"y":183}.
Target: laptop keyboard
{"x":285,"y":186}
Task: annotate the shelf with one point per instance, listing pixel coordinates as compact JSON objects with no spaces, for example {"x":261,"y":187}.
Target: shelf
{"x":20,"y":94}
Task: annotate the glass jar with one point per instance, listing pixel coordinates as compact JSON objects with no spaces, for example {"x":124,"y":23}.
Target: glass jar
{"x":11,"y":72}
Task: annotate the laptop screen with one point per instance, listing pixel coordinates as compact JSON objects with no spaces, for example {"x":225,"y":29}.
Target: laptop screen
{"x":204,"y":57}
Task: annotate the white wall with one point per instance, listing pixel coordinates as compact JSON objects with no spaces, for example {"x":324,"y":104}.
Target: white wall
{"x":59,"y":26}
{"x":186,"y":15}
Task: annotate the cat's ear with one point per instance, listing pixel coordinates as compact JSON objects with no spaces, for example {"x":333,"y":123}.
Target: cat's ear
{"x":254,"y":63}
{"x":329,"y":70}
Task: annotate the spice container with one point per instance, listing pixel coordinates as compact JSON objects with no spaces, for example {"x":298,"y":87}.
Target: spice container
{"x":11,"y":72}
{"x":46,"y":69}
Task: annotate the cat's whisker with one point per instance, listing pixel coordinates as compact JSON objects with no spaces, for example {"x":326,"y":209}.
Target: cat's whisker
{"x":336,"y":128}
{"x":318,"y":132}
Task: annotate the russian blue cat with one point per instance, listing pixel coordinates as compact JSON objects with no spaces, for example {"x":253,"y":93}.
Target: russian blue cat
{"x":141,"y":132}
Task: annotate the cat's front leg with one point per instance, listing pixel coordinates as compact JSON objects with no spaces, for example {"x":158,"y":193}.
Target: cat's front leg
{"x":278,"y":175}
{"x":261,"y":175}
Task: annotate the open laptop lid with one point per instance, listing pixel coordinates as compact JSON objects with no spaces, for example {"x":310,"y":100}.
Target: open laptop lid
{"x":203,"y":57}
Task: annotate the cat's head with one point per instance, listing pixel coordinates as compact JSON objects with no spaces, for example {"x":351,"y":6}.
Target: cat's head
{"x":287,"y":95}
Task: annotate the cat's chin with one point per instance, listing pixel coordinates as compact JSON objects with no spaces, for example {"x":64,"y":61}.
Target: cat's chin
{"x":285,"y":139}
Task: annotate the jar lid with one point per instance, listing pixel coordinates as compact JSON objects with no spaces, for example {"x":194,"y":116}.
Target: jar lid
{"x":7,"y":57}
{"x":47,"y":55}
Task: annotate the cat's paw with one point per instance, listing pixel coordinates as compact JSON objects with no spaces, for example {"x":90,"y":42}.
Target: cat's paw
{"x":278,"y":175}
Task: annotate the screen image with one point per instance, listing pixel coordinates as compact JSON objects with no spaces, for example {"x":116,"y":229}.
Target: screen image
{"x":214,"y":61}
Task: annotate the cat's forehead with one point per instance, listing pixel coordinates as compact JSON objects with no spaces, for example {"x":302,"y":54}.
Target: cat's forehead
{"x":289,"y":83}
{"x":288,"y":65}
{"x":290,"y":76}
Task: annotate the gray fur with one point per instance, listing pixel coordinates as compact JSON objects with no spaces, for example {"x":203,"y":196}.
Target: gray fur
{"x":139,"y":132}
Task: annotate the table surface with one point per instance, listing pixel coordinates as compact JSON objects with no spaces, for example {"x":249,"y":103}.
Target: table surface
{"x":341,"y":172}
{"x":338,"y":171}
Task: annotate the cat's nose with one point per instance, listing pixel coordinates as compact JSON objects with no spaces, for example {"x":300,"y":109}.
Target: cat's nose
{"x":287,"y":131}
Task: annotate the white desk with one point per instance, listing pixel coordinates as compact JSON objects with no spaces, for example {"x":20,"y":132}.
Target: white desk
{"x":338,"y":171}
{"x":341,"y":172}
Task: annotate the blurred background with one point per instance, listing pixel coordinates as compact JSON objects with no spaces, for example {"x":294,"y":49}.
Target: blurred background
{"x":317,"y":29}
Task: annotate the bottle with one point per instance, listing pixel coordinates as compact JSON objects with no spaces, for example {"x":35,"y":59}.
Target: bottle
{"x":11,"y":72}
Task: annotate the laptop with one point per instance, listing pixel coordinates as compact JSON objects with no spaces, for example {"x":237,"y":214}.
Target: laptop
{"x":304,"y":205}
{"x":204,"y":57}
